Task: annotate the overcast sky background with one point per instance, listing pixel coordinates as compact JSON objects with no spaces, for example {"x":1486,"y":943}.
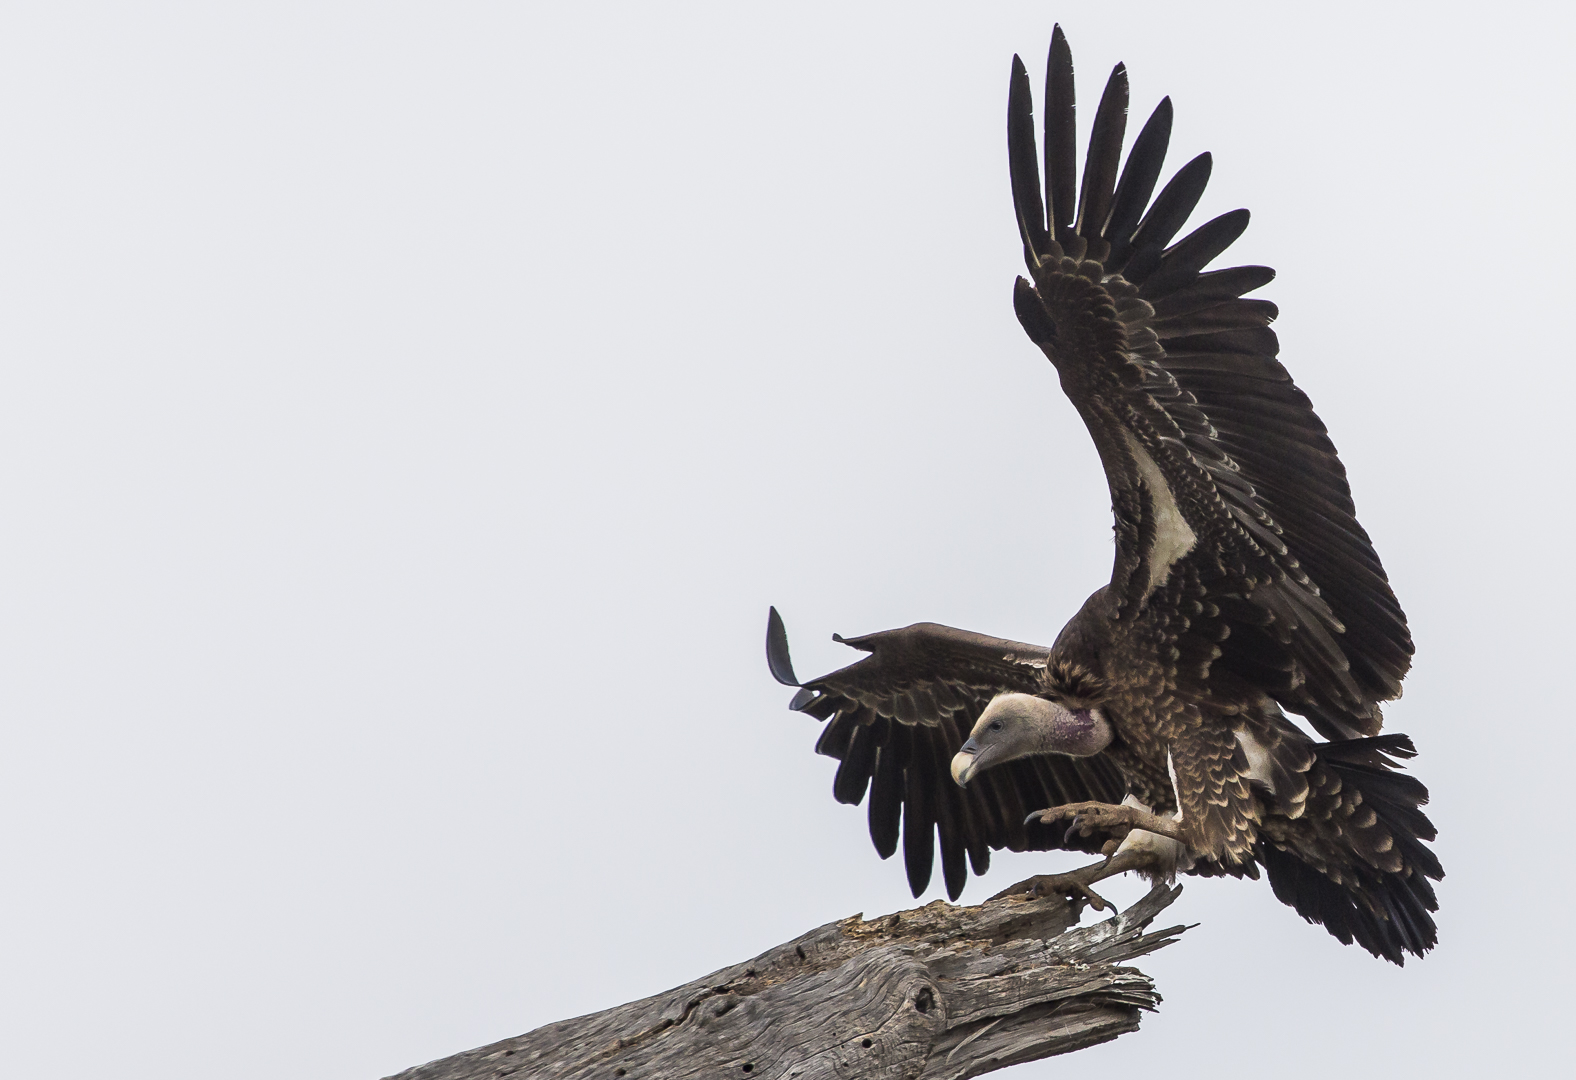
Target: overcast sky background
{"x":408,"y":412}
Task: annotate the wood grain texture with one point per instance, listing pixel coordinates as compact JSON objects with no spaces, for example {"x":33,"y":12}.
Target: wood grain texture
{"x":936,"y":992}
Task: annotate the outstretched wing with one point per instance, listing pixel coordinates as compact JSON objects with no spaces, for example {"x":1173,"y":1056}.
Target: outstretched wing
{"x":1213,"y":454}
{"x":894,"y":721}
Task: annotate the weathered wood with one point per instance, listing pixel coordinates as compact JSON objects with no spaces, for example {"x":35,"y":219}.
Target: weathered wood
{"x":937,"y":992}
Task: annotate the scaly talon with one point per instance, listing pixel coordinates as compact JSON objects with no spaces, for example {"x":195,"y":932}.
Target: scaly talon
{"x":1069,"y":885}
{"x":1087,"y":817}
{"x":1076,"y":884}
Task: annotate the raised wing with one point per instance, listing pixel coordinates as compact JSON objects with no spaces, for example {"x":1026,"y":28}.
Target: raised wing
{"x":894,"y":720}
{"x":1212,"y":453}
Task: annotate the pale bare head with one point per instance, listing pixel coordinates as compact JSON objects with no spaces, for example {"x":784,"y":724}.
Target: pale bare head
{"x":1018,"y":725}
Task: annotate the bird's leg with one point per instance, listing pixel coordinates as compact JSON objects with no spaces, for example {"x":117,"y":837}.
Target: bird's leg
{"x":1078,"y":883}
{"x":1087,"y":817}
{"x":1150,"y":843}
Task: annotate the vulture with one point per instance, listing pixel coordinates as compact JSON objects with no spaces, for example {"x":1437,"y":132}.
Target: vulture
{"x":1154,"y":732}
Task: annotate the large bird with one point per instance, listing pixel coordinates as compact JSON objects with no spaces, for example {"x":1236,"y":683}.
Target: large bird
{"x":1243,"y":589}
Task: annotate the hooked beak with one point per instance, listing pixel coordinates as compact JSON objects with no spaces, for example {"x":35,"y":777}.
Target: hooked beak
{"x":965,"y":763}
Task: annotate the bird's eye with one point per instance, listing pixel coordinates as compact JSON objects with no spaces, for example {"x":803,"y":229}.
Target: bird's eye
{"x":995,"y":725}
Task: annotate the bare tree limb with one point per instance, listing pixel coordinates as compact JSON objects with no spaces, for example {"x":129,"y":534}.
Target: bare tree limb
{"x":937,"y":992}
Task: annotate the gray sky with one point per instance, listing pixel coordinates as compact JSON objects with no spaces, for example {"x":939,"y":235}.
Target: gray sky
{"x":409,"y":412}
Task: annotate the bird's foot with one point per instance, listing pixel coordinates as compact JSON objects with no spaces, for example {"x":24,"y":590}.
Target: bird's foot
{"x":1090,"y":817}
{"x":1077,"y":885}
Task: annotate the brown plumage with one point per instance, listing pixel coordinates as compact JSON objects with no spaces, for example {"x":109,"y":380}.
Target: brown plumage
{"x":1243,"y":586}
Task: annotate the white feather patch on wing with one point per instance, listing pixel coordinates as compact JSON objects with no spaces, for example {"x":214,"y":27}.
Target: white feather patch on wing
{"x":1260,"y":767}
{"x":1174,"y":537}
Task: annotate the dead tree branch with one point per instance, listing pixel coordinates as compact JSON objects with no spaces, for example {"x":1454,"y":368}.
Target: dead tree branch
{"x":940,"y":991}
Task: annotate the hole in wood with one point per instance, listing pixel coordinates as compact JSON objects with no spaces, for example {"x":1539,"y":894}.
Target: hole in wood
{"x":924,"y":1001}
{"x":749,"y":1067}
{"x":866,"y":1043}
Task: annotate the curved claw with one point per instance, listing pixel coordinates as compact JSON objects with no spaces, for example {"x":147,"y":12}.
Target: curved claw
{"x":1096,"y":901}
{"x":1070,"y":886}
{"x":1043,"y":817}
{"x":1074,"y":810}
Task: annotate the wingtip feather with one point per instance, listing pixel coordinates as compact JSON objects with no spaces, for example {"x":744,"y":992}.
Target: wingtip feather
{"x":777,"y":658}
{"x":1023,"y":164}
{"x":1061,"y":180}
{"x":1104,"y":158}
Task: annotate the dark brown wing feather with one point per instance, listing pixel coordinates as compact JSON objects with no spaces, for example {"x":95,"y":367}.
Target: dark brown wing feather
{"x":895,"y":719}
{"x":1150,"y":345}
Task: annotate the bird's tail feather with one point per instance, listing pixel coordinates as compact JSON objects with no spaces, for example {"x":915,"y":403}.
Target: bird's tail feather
{"x":1364,"y":881}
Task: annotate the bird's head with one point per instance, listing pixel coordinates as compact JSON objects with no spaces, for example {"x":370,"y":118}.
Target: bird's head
{"x":1018,"y":725}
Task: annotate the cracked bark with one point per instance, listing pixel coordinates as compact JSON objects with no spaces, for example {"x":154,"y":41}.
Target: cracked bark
{"x":936,"y":992}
